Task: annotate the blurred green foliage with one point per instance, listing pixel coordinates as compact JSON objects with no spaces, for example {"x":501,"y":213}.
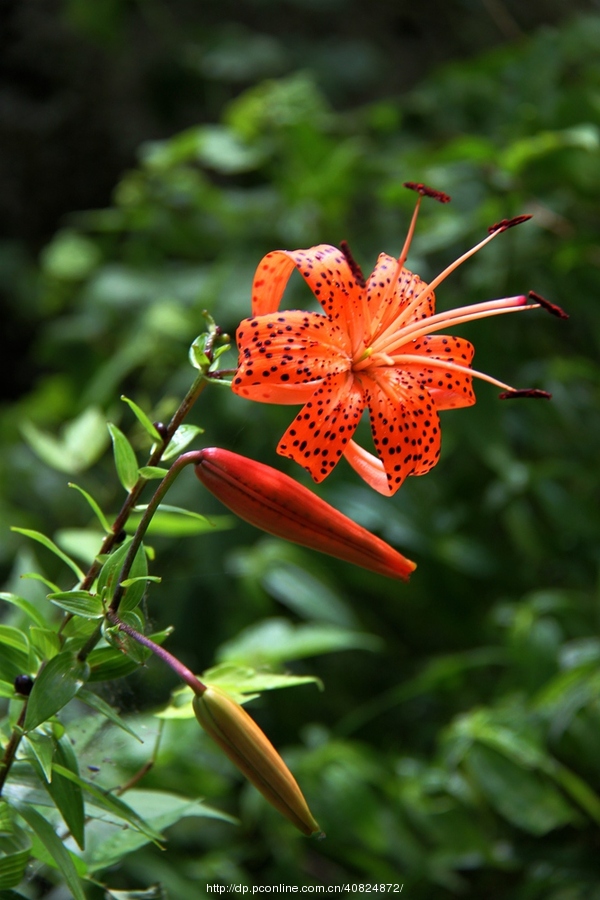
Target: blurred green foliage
{"x":454,"y":748}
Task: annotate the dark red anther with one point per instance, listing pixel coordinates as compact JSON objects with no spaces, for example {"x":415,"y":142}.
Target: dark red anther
{"x":354,"y":266}
{"x":508,"y":223}
{"x":426,"y":191}
{"x":552,"y":308}
{"x":532,"y":393}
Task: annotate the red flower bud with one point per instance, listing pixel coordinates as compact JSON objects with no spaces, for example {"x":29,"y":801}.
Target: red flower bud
{"x":276,"y":503}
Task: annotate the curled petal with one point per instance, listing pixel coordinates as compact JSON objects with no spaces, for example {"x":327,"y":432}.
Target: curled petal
{"x":277,"y":504}
{"x":405,"y":425}
{"x":326,"y":271}
{"x":320,"y":432}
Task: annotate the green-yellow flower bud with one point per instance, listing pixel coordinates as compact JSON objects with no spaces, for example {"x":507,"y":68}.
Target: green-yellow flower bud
{"x":238,"y":735}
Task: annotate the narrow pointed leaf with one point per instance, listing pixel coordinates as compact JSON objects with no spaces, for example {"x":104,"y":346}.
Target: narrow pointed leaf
{"x":142,"y":418}
{"x":112,"y":804}
{"x":95,"y":507}
{"x":6,"y":689}
{"x":107,"y":663}
{"x":25,"y":606}
{"x":66,"y":793}
{"x":42,"y":747}
{"x":182,"y":438}
{"x":109,"y":576}
{"x":14,"y":856}
{"x":14,"y":653}
{"x":176,"y":521}
{"x":152,"y":472}
{"x":57,"y":683}
{"x":46,"y":542}
{"x":125,"y":459}
{"x":53,"y":844}
{"x":80,"y":603}
{"x":44,"y":641}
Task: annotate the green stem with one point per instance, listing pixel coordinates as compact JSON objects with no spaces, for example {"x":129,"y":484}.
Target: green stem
{"x":155,"y":457}
{"x":178,"y":667}
{"x":185,"y":459}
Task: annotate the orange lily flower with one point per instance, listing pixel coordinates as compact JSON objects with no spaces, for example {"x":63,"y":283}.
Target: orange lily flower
{"x":375,"y":347}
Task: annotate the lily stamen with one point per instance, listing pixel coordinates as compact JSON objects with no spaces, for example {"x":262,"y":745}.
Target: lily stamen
{"x":449,"y":318}
{"x":433,"y":362}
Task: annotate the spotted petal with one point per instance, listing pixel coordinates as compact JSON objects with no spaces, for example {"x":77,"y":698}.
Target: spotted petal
{"x":327,"y":273}
{"x":284,"y":356}
{"x":322,"y":429}
{"x":405,"y":425}
{"x":447,"y":387}
{"x":390,"y":292}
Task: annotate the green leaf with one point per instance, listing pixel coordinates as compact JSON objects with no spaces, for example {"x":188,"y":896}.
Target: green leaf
{"x":241,"y":682}
{"x":521,"y":796}
{"x":46,"y":542}
{"x":127,"y":582}
{"x":6,"y":823}
{"x":108,"y":663}
{"x":57,"y":683}
{"x":142,"y":418}
{"x":66,"y":793}
{"x":125,"y":458}
{"x":153,"y":472}
{"x":14,"y":856}
{"x":41,"y":746}
{"x":136,"y":582}
{"x":6,"y":689}
{"x":48,"y":837}
{"x":14,"y":653}
{"x":179,"y":522}
{"x":83,"y":543}
{"x":44,"y":641}
{"x":160,"y":809}
{"x":81,"y":443}
{"x":579,"y":790}
{"x":182,"y":438}
{"x":111,"y":570}
{"x":112,"y":804}
{"x":35,"y":576}
{"x":25,"y":606}
{"x":276,"y":641}
{"x":80,"y":603}
{"x":95,"y":507}
{"x":107,"y":711}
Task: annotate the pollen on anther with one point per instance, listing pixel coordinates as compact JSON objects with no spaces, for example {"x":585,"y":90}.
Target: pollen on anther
{"x":504,"y":224}
{"x":531,"y":393}
{"x":426,"y":191}
{"x":552,"y":308}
